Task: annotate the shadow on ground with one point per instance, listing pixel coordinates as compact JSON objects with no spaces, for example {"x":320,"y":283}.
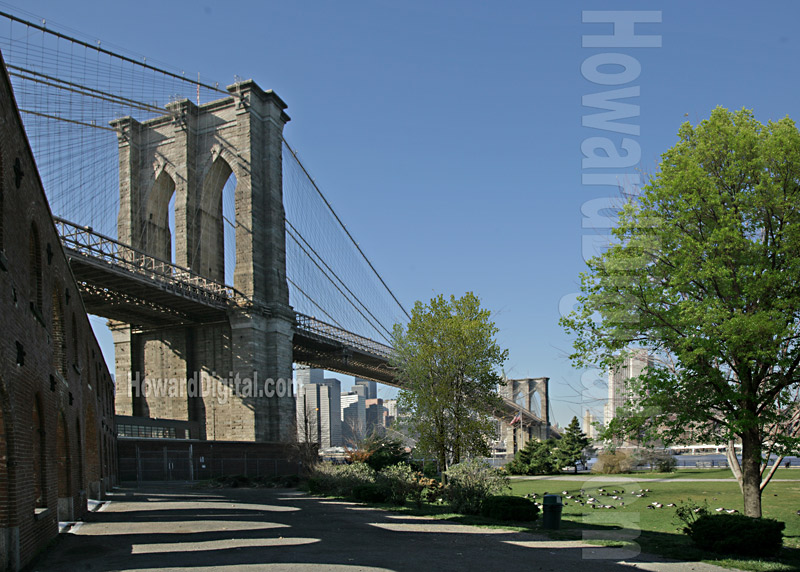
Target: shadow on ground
{"x":260,"y":529}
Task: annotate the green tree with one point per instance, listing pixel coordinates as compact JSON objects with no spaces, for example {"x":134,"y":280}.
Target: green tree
{"x":571,"y":446}
{"x":705,"y":273}
{"x":446,"y":361}
{"x":535,"y":458}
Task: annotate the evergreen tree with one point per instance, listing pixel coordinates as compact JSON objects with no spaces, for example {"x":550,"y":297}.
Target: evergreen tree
{"x":535,"y":458}
{"x":572,"y":445}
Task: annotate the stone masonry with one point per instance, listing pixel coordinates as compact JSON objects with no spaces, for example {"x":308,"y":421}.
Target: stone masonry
{"x":531,"y":395}
{"x":191,"y":152}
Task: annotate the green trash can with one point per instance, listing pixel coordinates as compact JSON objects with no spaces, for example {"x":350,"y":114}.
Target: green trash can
{"x":552,"y":512}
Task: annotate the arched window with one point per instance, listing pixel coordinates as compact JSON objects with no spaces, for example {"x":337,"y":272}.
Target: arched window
{"x":39,"y":455}
{"x":215,"y":252}
{"x":64,"y":463}
{"x":92,"y":443}
{"x":159,"y":223}
{"x":229,"y":225}
{"x":79,"y":449}
{"x":75,"y":359}
{"x":35,"y":263}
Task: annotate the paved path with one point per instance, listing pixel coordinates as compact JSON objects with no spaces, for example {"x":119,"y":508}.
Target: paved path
{"x":258,"y":529}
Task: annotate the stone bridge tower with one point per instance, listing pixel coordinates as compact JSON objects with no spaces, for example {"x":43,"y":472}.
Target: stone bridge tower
{"x":531,"y":395}
{"x":187,"y":156}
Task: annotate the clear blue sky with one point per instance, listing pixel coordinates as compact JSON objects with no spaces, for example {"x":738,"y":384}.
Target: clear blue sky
{"x":447,"y":135}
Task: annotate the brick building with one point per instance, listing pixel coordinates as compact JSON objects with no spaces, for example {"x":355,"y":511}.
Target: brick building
{"x":57,"y":433}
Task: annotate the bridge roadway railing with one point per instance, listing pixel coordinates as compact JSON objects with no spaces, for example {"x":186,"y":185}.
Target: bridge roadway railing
{"x":98,"y":247}
{"x":314,"y":326}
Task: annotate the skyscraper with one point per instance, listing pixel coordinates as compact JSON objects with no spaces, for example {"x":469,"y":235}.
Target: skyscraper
{"x":588,"y":424}
{"x":354,"y":418}
{"x":319,"y":417}
{"x":376,"y":416}
{"x":372,"y":387}
{"x":619,"y":392}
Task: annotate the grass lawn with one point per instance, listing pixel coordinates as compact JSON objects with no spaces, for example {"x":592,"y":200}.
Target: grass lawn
{"x":707,"y":474}
{"x":656,"y":530}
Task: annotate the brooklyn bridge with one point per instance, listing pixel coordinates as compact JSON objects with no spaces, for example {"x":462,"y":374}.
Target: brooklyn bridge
{"x":191,"y":224}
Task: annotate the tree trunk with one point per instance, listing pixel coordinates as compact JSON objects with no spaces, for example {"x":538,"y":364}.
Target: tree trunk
{"x":751,"y":472}
{"x":765,"y":480}
{"x":733,"y":462}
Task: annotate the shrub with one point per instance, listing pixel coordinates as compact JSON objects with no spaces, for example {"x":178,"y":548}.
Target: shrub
{"x":434,"y":491}
{"x":613,"y":462}
{"x":339,"y":480}
{"x":508,"y":507}
{"x":371,"y":492}
{"x":470,"y":482}
{"x":379,"y":451}
{"x":689,"y":511}
{"x":430,"y":469}
{"x":400,"y":480}
{"x":657,"y":459}
{"x":666,"y":464}
{"x":737,"y":534}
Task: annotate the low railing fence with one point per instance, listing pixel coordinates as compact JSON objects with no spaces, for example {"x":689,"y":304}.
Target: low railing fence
{"x":178,"y":465}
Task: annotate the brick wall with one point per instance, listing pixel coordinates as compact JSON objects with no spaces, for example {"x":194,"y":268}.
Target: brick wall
{"x":57,"y":435}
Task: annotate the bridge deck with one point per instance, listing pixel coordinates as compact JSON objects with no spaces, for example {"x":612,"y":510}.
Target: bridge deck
{"x":123,"y":283}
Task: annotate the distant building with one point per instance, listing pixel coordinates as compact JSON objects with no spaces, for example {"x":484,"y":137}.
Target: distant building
{"x":376,"y":416}
{"x":304,"y":374}
{"x":335,"y":408}
{"x":371,"y":387}
{"x":589,"y":420}
{"x":391,"y":411}
{"x":319,"y":417}
{"x":618,"y":390}
{"x":354,"y":418}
